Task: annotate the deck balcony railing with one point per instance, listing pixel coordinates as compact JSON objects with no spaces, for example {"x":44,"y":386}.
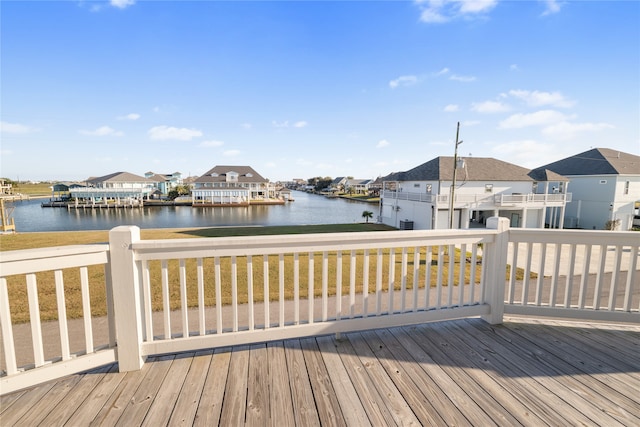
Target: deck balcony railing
{"x":486,"y":199}
{"x":168,"y":296}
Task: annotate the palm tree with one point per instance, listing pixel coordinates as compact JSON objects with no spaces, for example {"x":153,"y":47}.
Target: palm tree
{"x":366,"y":215}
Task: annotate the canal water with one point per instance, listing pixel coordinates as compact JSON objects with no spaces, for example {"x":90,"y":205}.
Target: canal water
{"x":307,"y":209}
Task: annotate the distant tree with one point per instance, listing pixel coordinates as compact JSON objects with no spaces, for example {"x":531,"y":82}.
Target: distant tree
{"x":612,"y":224}
{"x":366,"y":215}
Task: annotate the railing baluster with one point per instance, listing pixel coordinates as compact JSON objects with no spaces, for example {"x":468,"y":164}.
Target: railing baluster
{"x":111,"y":319}
{"x":365,"y":284}
{"x":352,"y":285}
{"x":146,"y":303}
{"x":325,"y":285}
{"x":234,"y":293}
{"x":265,"y":289}
{"x":183,"y":298}
{"x":296,"y":288}
{"x":556,"y":275}
{"x":512,"y":272}
{"x":631,"y":272}
{"x":86,"y":310}
{"x":461,"y":277}
{"x":379,"y":282}
{"x":527,"y":274}
{"x":218,"y":290}
{"x":613,"y":289}
{"x":568,"y":291}
{"x":403,"y":280}
{"x":416,"y":276}
{"x":250,"y":313}
{"x":201,"y":308}
{"x":597,"y":292}
{"x":439,"y":277}
{"x":281,"y":288}
{"x":392,"y":273}
{"x":339,"y":285}
{"x":62,"y":315}
{"x":584,"y":280}
{"x":166,"y":305}
{"x":472,"y":274}
{"x":34,"y":313}
{"x":427,"y":277}
{"x":540,"y":281}
{"x":310,"y":289}
{"x":7,"y":330}
{"x":450,"y":275}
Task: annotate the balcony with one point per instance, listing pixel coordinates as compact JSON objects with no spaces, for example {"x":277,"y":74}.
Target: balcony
{"x":328,"y":329}
{"x":484,"y":200}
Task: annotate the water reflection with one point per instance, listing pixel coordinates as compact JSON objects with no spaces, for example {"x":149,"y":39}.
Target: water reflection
{"x":307,"y":209}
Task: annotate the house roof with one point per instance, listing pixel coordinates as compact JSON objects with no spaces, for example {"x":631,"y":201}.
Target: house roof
{"x":597,"y":161}
{"x":476,"y":169}
{"x":547,"y":175}
{"x":120,"y":177}
{"x":245,"y":174}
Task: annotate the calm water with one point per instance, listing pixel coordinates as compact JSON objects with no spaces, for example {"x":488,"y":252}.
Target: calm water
{"x":307,"y":209}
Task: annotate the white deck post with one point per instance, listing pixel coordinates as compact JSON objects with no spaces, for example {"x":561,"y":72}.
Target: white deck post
{"x":496,"y":271}
{"x":126,"y":297}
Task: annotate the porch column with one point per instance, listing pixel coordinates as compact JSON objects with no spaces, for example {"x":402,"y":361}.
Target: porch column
{"x":495,"y":275}
{"x":523,"y":223}
{"x":127,"y":308}
{"x":543,"y":217}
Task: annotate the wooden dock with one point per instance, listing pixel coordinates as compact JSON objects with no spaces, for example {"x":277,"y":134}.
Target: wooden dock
{"x":463,"y":372}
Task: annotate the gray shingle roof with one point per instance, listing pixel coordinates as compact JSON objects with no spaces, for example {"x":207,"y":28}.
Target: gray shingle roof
{"x":476,"y":169}
{"x":120,"y":177}
{"x":221,"y":174}
{"x":597,"y":161}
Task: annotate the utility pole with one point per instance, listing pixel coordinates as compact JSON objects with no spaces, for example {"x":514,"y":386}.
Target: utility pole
{"x":453,"y":182}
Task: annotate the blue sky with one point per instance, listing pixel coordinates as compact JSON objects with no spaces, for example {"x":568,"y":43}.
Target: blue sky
{"x":298,"y":89}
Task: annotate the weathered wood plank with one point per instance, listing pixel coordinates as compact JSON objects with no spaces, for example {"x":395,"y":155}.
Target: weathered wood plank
{"x":234,"y":405}
{"x":280,"y":401}
{"x":398,"y":407}
{"x":96,"y":399}
{"x":192,"y":390}
{"x":258,"y":386}
{"x":367,"y":391}
{"x":40,"y":410}
{"x":305,"y":412}
{"x":326,"y":401}
{"x":210,"y":405}
{"x":25,"y":402}
{"x":8,"y":399}
{"x":352,"y":408}
{"x":165,"y":399}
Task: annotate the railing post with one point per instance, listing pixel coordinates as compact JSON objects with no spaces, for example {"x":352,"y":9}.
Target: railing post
{"x":496,"y":269}
{"x":126,"y":297}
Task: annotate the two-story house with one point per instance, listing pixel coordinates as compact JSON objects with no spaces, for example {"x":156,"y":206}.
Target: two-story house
{"x":483,"y":187}
{"x":233,"y":186}
{"x":165,"y":182}
{"x":119,"y":187}
{"x":605,"y":185}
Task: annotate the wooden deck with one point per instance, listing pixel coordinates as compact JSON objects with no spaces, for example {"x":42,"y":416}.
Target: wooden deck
{"x":464,"y":372}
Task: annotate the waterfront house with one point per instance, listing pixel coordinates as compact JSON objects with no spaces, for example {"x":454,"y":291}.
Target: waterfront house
{"x":357,"y":186}
{"x":118,"y":187}
{"x":232,"y":185}
{"x":420,"y":198}
{"x":605,"y":185}
{"x":165,"y":182}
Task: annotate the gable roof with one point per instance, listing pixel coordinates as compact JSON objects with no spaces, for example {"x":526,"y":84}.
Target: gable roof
{"x":476,"y":169}
{"x":220,"y":174}
{"x":597,"y":161}
{"x":120,"y":177}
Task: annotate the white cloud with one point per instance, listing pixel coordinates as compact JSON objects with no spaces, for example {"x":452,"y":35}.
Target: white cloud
{"x":383,"y":143}
{"x":537,"y":98}
{"x":451,"y":108}
{"x":490,"y":107}
{"x":122,"y":4}
{"x":566,"y":130}
{"x":6,"y":152}
{"x":284,"y":124}
{"x":300,"y":124}
{"x":230,"y":153}
{"x":442,"y":72}
{"x":403,"y":81}
{"x":161,"y":133}
{"x":211,"y":143}
{"x":441,"y":11}
{"x":539,"y":118}
{"x":514,"y":67}
{"x":101,"y":131}
{"x":526,"y":153}
{"x":6,"y":127}
{"x":552,"y":6}
{"x":247,"y":125}
{"x":303,"y":162}
{"x":464,"y":79}
{"x":130,"y":116}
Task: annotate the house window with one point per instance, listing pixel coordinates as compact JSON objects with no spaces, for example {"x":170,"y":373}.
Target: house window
{"x":488,"y":188}
{"x":416,"y":185}
{"x":603,"y":181}
{"x":429,"y":188}
{"x":626,"y":187}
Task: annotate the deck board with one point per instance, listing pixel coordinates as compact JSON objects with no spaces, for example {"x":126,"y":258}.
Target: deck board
{"x":527,"y":371}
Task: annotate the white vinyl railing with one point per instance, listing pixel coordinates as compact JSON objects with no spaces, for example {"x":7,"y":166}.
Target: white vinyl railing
{"x":480,"y":198}
{"x":166,"y":296}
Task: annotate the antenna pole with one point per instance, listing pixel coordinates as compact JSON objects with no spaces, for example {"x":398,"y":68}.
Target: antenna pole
{"x":453,"y":182}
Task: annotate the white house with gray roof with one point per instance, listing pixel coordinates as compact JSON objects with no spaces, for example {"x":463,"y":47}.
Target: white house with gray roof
{"x":605,"y":184}
{"x":233,"y":186}
{"x":420,"y":198}
{"x":120,"y":187}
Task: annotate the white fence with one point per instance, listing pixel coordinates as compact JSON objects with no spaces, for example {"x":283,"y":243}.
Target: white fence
{"x":166,"y":296}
